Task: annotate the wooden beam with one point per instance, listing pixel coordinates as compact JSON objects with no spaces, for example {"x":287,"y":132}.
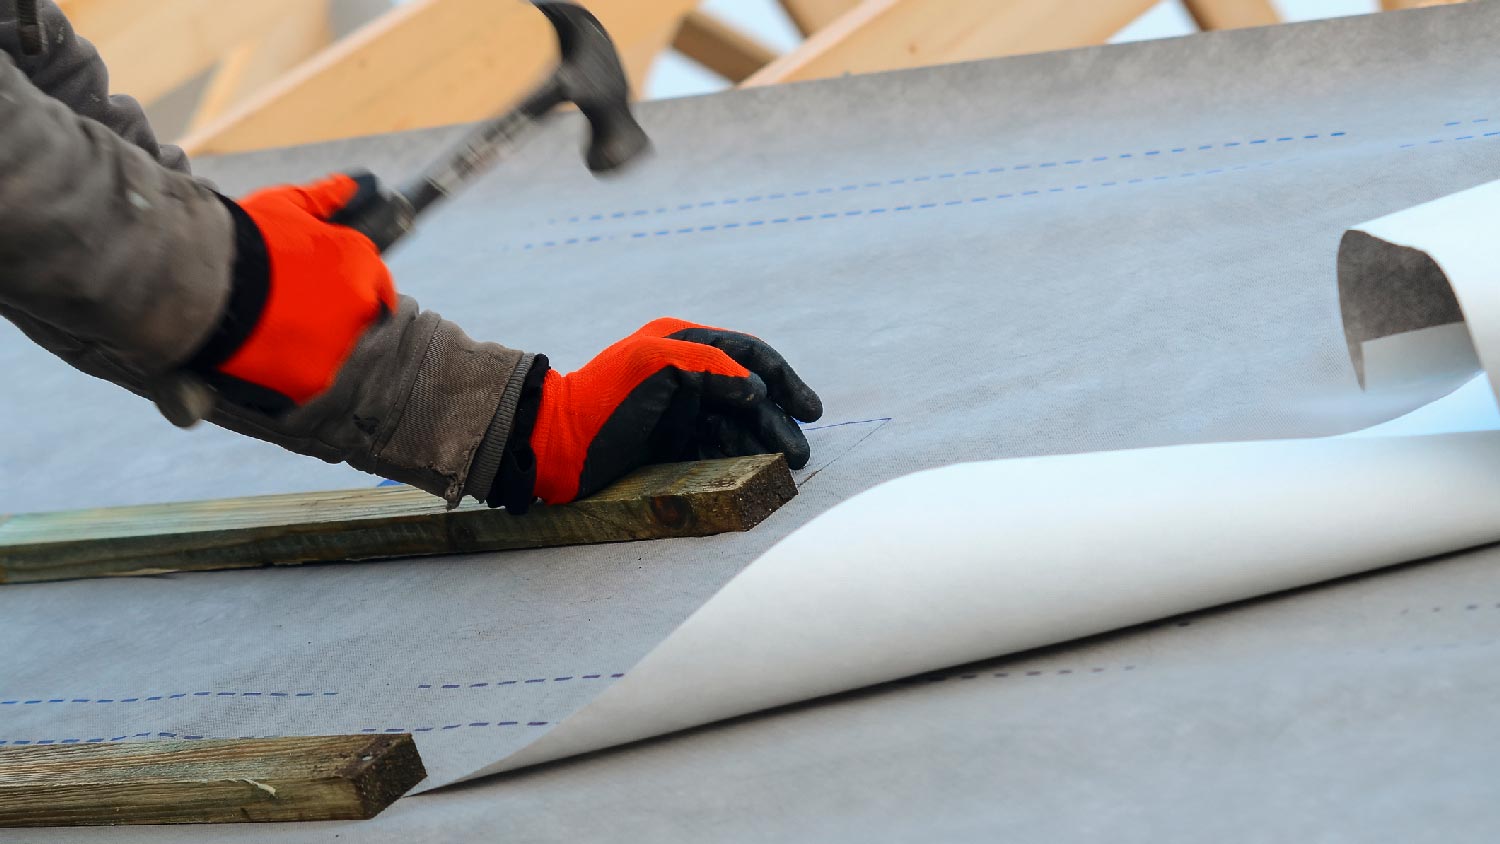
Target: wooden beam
{"x":152,"y":46}
{"x":318,"y":778}
{"x":720,"y":47}
{"x":1231,"y":14}
{"x":1397,"y":5}
{"x":427,"y":63}
{"x":891,"y":34}
{"x":252,"y":65}
{"x":656,"y":502}
{"x":809,"y":16}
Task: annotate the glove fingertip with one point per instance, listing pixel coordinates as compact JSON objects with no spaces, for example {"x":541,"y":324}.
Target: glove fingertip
{"x":809,"y":406}
{"x":801,"y":403}
{"x":795,"y":449}
{"x":799,"y":451}
{"x":797,"y":460}
{"x":338,"y":189}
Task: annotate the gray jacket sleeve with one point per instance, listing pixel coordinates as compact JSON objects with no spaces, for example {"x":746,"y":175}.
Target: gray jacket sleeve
{"x":115,"y":259}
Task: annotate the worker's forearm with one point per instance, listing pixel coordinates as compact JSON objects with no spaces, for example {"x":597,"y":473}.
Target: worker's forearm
{"x":417,"y":401}
{"x":98,"y":239}
{"x":67,"y":68}
{"x":121,"y":267}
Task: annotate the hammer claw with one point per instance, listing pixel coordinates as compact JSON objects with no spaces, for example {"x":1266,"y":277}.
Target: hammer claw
{"x":588,"y":74}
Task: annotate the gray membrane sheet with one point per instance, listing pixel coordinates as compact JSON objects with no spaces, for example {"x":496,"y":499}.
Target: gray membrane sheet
{"x":1098,"y":249}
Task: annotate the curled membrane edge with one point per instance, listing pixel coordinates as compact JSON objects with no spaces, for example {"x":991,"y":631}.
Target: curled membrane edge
{"x":978,"y":560}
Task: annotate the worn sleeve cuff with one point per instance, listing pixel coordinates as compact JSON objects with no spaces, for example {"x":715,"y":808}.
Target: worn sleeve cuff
{"x":514,"y":483}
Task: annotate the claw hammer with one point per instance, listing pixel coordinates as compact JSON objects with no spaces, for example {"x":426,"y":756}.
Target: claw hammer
{"x":588,"y":74}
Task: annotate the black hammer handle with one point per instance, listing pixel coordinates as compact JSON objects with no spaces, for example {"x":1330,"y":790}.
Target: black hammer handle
{"x":385,"y":216}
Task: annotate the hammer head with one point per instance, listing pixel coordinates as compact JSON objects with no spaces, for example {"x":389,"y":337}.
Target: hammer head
{"x":590,"y":76}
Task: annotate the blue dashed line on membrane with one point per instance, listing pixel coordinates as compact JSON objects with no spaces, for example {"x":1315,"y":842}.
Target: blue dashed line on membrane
{"x":459,"y":726}
{"x":924,"y":206}
{"x":103,"y":739}
{"x":975,"y":171}
{"x":496,"y":683}
{"x":191,"y":737}
{"x":1459,"y":138}
{"x":154,"y":698}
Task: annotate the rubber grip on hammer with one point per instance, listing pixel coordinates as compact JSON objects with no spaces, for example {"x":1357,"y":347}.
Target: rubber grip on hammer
{"x":375,"y":211}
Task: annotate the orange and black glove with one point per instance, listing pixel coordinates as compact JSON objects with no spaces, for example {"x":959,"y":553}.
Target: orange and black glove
{"x":671,"y":391}
{"x":304,"y":290}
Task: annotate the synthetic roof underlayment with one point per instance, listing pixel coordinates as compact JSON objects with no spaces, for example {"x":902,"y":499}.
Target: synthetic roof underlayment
{"x":1104,"y":249}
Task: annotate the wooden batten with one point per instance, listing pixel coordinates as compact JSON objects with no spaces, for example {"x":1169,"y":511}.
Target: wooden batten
{"x":656,"y":502}
{"x":313,"y":778}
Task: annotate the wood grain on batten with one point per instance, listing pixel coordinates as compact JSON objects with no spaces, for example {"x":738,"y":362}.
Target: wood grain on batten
{"x":656,"y":502}
{"x":311,"y":778}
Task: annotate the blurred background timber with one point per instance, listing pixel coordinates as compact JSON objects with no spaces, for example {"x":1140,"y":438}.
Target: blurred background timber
{"x":227,"y":77}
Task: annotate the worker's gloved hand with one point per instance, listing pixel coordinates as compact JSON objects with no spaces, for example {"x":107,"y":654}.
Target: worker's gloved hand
{"x":305,"y":290}
{"x":671,"y":391}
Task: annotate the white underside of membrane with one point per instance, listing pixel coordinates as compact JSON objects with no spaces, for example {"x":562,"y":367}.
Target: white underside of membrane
{"x":979,"y":560}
